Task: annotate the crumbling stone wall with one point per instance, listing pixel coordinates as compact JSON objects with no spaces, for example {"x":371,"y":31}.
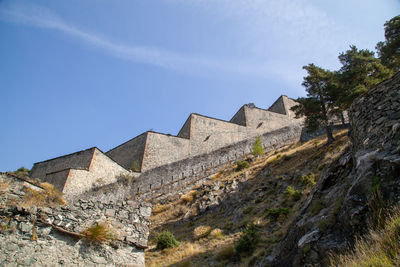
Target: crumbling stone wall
{"x":59,"y":232}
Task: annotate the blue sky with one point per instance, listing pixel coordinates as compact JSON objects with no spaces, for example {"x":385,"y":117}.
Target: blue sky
{"x":80,"y":73}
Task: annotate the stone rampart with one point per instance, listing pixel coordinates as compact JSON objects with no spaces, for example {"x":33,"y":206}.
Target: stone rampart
{"x":160,"y":181}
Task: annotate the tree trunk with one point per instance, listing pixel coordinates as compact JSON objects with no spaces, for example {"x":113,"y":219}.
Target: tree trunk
{"x":342,"y":117}
{"x":329,"y":133}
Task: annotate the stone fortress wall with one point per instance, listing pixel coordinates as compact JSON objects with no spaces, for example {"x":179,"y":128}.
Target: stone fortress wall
{"x":76,"y":173}
{"x":167,"y":161}
{"x":160,"y":182}
{"x":201,"y":134}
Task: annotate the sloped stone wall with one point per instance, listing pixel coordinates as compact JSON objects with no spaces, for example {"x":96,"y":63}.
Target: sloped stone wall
{"x":376,"y":114}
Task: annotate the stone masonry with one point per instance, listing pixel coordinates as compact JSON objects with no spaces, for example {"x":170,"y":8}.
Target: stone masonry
{"x":45,"y":236}
{"x":85,"y":170}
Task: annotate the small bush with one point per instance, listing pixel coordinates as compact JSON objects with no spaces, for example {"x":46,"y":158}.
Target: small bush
{"x":249,"y":240}
{"x":258,"y":149}
{"x":216,"y":233}
{"x":21,"y":172}
{"x":201,"y":231}
{"x":275,"y":213}
{"x":309,"y":179}
{"x":291,"y":193}
{"x":99,"y":233}
{"x":242,"y":165}
{"x":135,"y":166}
{"x":226,"y":253}
{"x":166,"y":240}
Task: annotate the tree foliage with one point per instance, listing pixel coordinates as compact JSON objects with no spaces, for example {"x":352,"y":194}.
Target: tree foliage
{"x":360,"y":72}
{"x":315,"y":107}
{"x":389,"y":50}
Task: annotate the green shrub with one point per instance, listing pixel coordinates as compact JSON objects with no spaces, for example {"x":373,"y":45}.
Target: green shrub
{"x":291,"y":193}
{"x":258,"y":149}
{"x":249,"y":240}
{"x":275,"y":213}
{"x":21,"y":172}
{"x":242,"y":165}
{"x":135,"y":166}
{"x":166,"y":240}
{"x":308,"y":179}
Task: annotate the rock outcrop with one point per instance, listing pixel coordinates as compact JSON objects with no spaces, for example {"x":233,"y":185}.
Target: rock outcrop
{"x":354,"y":191}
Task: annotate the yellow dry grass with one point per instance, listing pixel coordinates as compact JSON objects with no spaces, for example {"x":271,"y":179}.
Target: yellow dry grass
{"x":379,"y":248}
{"x":99,"y":233}
{"x":47,"y":197}
{"x":189,"y":196}
{"x":170,"y":256}
{"x":201,"y":231}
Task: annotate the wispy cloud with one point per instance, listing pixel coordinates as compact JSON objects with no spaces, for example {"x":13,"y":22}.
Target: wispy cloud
{"x":41,"y":17}
{"x":279,"y":28}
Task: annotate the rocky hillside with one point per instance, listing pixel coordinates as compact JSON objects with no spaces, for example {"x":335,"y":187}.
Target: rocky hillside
{"x":295,"y":206}
{"x":210,"y":218}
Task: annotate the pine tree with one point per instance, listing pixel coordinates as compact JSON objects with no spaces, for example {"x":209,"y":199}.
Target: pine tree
{"x":316,"y":106}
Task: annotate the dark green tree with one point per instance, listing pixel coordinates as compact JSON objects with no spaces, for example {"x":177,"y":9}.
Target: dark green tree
{"x":360,"y":72}
{"x":317,"y":105}
{"x":389,"y":50}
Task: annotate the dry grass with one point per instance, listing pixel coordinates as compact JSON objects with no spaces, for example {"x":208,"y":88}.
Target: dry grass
{"x":174,"y":255}
{"x":216,"y":233}
{"x":201,"y":231}
{"x":4,"y":186}
{"x":159,"y":208}
{"x":47,"y":197}
{"x":99,"y":233}
{"x":189,"y":196}
{"x":379,"y":248}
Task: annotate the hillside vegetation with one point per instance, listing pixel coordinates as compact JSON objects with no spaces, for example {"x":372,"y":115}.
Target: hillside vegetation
{"x":240,"y":214}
